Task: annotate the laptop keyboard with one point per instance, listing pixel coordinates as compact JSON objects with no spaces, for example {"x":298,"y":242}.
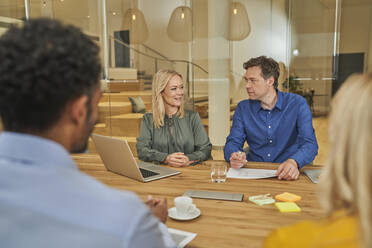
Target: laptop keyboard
{"x":147,"y":173}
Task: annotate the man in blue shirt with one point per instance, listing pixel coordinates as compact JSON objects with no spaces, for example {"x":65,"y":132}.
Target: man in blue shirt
{"x":276,"y":125}
{"x":49,"y":92}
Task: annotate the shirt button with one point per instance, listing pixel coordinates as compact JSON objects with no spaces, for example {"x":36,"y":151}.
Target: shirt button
{"x":269,"y":126}
{"x":269,"y":155}
{"x":271,"y":141}
{"x":269,"y":112}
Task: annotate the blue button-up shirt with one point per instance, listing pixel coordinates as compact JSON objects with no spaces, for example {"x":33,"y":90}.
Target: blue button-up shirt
{"x":275,"y":135}
{"x":45,"y":201}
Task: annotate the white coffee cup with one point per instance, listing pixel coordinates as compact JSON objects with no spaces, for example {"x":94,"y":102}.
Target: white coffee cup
{"x":184,"y":206}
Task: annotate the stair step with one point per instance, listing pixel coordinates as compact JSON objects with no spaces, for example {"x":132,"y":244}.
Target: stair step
{"x":125,"y":85}
{"x":124,"y":96}
{"x":121,"y":73}
{"x":201,"y":98}
{"x":125,"y":124}
{"x":100,"y":128}
{"x":202,"y":109}
{"x":202,"y":104}
{"x":106,"y":109}
{"x":145,"y":77}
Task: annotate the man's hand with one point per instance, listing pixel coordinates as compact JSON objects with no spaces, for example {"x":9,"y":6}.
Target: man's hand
{"x":178,"y":159}
{"x":159,"y":207}
{"x":288,"y":170}
{"x":238,"y":159}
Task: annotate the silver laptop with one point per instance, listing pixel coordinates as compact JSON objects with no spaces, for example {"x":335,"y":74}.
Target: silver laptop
{"x":313,"y":174}
{"x":118,"y":158}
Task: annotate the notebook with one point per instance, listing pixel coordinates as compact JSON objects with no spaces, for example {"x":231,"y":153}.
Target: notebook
{"x":118,"y":158}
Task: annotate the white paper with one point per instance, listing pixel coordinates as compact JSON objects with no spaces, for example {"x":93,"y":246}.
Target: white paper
{"x":181,"y":238}
{"x":250,"y":173}
{"x":167,"y":237}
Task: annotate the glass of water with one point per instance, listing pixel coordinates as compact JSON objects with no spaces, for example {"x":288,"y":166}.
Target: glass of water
{"x":218,"y":172}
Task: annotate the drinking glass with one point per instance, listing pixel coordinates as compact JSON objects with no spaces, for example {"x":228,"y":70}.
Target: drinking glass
{"x":218,"y":172}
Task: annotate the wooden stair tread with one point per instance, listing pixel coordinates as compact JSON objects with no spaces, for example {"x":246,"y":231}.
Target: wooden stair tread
{"x":127,"y":138}
{"x":123,"y":96}
{"x":200,"y":98}
{"x":125,"y":85}
{"x":124,"y":81}
{"x":100,"y":128}
{"x":100,"y":125}
{"x":114,"y":104}
{"x":128,"y":116}
{"x":205,"y":122}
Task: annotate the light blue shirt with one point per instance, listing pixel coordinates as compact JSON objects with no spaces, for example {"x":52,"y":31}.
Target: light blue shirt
{"x":45,"y":201}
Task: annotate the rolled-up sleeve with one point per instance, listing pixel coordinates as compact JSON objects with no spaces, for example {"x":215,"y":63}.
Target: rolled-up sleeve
{"x":308,"y":148}
{"x":235,"y":140}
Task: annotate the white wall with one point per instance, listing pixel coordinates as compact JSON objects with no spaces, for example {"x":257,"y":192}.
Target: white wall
{"x":157,"y":14}
{"x":355,"y":33}
{"x":268,"y":37}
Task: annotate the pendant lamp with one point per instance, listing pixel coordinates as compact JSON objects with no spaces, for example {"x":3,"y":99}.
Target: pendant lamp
{"x":240,"y":27}
{"x":135,"y":22}
{"x":180,"y":24}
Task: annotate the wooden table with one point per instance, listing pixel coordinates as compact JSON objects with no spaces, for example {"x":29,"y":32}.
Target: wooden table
{"x":222,"y":223}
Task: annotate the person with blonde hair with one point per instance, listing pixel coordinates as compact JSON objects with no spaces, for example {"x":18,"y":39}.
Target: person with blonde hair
{"x":171,"y":134}
{"x":346,"y":183}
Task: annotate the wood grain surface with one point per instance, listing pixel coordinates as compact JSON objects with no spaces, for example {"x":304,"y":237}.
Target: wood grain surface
{"x":221,"y":223}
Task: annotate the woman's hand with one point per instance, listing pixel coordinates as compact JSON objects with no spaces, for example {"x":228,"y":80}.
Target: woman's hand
{"x":178,"y":159}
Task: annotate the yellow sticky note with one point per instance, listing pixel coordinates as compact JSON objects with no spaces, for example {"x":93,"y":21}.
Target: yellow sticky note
{"x":261,"y":199}
{"x":288,"y":197}
{"x":287,"y":207}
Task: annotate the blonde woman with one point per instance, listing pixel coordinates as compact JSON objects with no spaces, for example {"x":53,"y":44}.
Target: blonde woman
{"x":346,"y":185}
{"x":171,"y":134}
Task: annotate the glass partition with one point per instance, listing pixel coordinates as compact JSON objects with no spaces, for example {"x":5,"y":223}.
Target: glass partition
{"x":318,"y":42}
{"x":313,"y":46}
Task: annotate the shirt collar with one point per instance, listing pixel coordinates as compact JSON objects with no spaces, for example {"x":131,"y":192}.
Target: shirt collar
{"x":256,"y":105}
{"x":279,"y":102}
{"x":34,"y":150}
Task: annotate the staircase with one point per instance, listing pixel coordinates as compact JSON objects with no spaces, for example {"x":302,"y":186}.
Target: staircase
{"x":147,"y":79}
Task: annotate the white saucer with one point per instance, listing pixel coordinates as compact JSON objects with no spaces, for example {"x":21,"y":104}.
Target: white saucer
{"x":172,"y":212}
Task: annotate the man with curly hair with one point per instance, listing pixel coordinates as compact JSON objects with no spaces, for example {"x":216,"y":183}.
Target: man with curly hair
{"x":49,"y":92}
{"x":276,"y":125}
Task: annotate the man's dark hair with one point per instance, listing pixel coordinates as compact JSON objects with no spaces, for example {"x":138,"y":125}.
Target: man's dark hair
{"x":269,"y":67}
{"x":44,"y":64}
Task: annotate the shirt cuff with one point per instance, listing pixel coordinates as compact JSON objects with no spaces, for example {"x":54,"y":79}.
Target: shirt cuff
{"x":160,"y":157}
{"x":299,"y":161}
{"x":193,"y":157}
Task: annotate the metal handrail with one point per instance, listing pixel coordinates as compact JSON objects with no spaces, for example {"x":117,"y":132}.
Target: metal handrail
{"x":154,"y":51}
{"x":157,"y":58}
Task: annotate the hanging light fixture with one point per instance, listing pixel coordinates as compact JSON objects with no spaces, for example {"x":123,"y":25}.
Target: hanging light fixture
{"x":239,"y":22}
{"x":135,"y":22}
{"x":180,"y":24}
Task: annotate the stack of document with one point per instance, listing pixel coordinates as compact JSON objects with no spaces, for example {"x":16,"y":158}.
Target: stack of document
{"x":250,"y":173}
{"x":181,"y":238}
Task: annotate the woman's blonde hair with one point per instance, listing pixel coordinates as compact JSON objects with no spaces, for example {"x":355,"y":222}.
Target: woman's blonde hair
{"x":347,"y":180}
{"x":160,"y":81}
